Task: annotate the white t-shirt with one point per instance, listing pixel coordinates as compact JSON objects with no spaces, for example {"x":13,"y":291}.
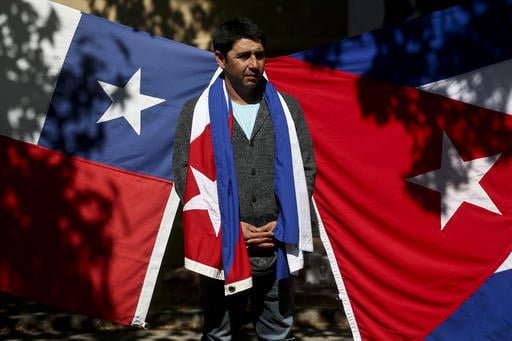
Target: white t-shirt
{"x":245,"y":115}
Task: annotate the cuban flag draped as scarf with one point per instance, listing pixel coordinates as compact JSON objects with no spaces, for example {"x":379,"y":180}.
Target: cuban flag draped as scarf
{"x":214,"y":242}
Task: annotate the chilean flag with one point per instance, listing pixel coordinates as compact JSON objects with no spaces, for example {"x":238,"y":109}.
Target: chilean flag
{"x":89,"y":109}
{"x":412,"y":130}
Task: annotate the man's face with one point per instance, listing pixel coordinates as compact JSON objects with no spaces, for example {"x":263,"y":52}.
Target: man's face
{"x":244,"y":64}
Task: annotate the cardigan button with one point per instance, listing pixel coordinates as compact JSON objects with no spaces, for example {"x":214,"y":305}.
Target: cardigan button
{"x":231,"y":289}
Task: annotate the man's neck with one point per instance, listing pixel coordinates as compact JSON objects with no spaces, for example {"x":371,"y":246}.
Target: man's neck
{"x":244,"y":96}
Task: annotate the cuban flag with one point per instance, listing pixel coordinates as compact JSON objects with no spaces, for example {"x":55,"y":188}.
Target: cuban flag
{"x":412,"y":130}
{"x":88,"y":113}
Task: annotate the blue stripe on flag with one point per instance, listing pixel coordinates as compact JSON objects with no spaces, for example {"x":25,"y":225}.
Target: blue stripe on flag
{"x":226,"y":175}
{"x":426,"y":49}
{"x":486,"y":315}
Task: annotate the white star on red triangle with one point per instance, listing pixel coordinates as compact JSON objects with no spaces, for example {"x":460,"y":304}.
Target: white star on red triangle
{"x":206,"y":200}
{"x":458,"y":181}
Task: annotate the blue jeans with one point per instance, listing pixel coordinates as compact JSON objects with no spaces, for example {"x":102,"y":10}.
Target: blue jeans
{"x":271,"y":309}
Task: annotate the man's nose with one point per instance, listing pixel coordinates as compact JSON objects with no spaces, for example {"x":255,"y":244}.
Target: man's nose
{"x":253,"y":61}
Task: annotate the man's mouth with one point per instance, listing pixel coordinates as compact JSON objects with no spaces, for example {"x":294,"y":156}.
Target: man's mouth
{"x":253,"y":77}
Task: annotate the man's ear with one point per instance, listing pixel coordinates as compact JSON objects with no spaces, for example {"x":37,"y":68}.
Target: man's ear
{"x":220,"y":59}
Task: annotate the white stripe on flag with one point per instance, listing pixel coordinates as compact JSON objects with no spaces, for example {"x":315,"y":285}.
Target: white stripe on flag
{"x":29,"y":98}
{"x":301,"y":189}
{"x":156,"y":259}
{"x":345,"y":299}
{"x":487,"y":87}
{"x":200,"y":122}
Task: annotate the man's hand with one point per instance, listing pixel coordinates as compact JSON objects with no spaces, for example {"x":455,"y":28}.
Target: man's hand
{"x":261,"y":237}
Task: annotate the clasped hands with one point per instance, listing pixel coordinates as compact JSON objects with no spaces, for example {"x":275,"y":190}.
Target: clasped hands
{"x":261,"y":236}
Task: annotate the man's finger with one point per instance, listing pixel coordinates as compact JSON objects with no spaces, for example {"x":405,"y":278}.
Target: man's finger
{"x":265,"y":245}
{"x":254,"y":241}
{"x":268,"y":227}
{"x":253,"y":235}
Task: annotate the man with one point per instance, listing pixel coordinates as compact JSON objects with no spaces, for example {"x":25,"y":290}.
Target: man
{"x":244,"y":167}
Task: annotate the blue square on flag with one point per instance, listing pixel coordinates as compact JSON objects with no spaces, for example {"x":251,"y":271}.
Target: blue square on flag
{"x":119,"y":94}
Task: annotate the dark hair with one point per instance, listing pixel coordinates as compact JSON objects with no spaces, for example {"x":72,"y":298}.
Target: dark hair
{"x":233,"y":30}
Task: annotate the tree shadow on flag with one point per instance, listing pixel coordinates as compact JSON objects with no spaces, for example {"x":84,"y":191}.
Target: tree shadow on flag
{"x":54,"y":248}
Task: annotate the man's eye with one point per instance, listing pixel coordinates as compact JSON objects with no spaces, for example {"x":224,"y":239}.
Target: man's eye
{"x":259,"y":55}
{"x":244,"y":56}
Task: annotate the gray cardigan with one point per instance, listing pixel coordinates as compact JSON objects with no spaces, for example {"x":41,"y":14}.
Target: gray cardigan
{"x":254,"y":160}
